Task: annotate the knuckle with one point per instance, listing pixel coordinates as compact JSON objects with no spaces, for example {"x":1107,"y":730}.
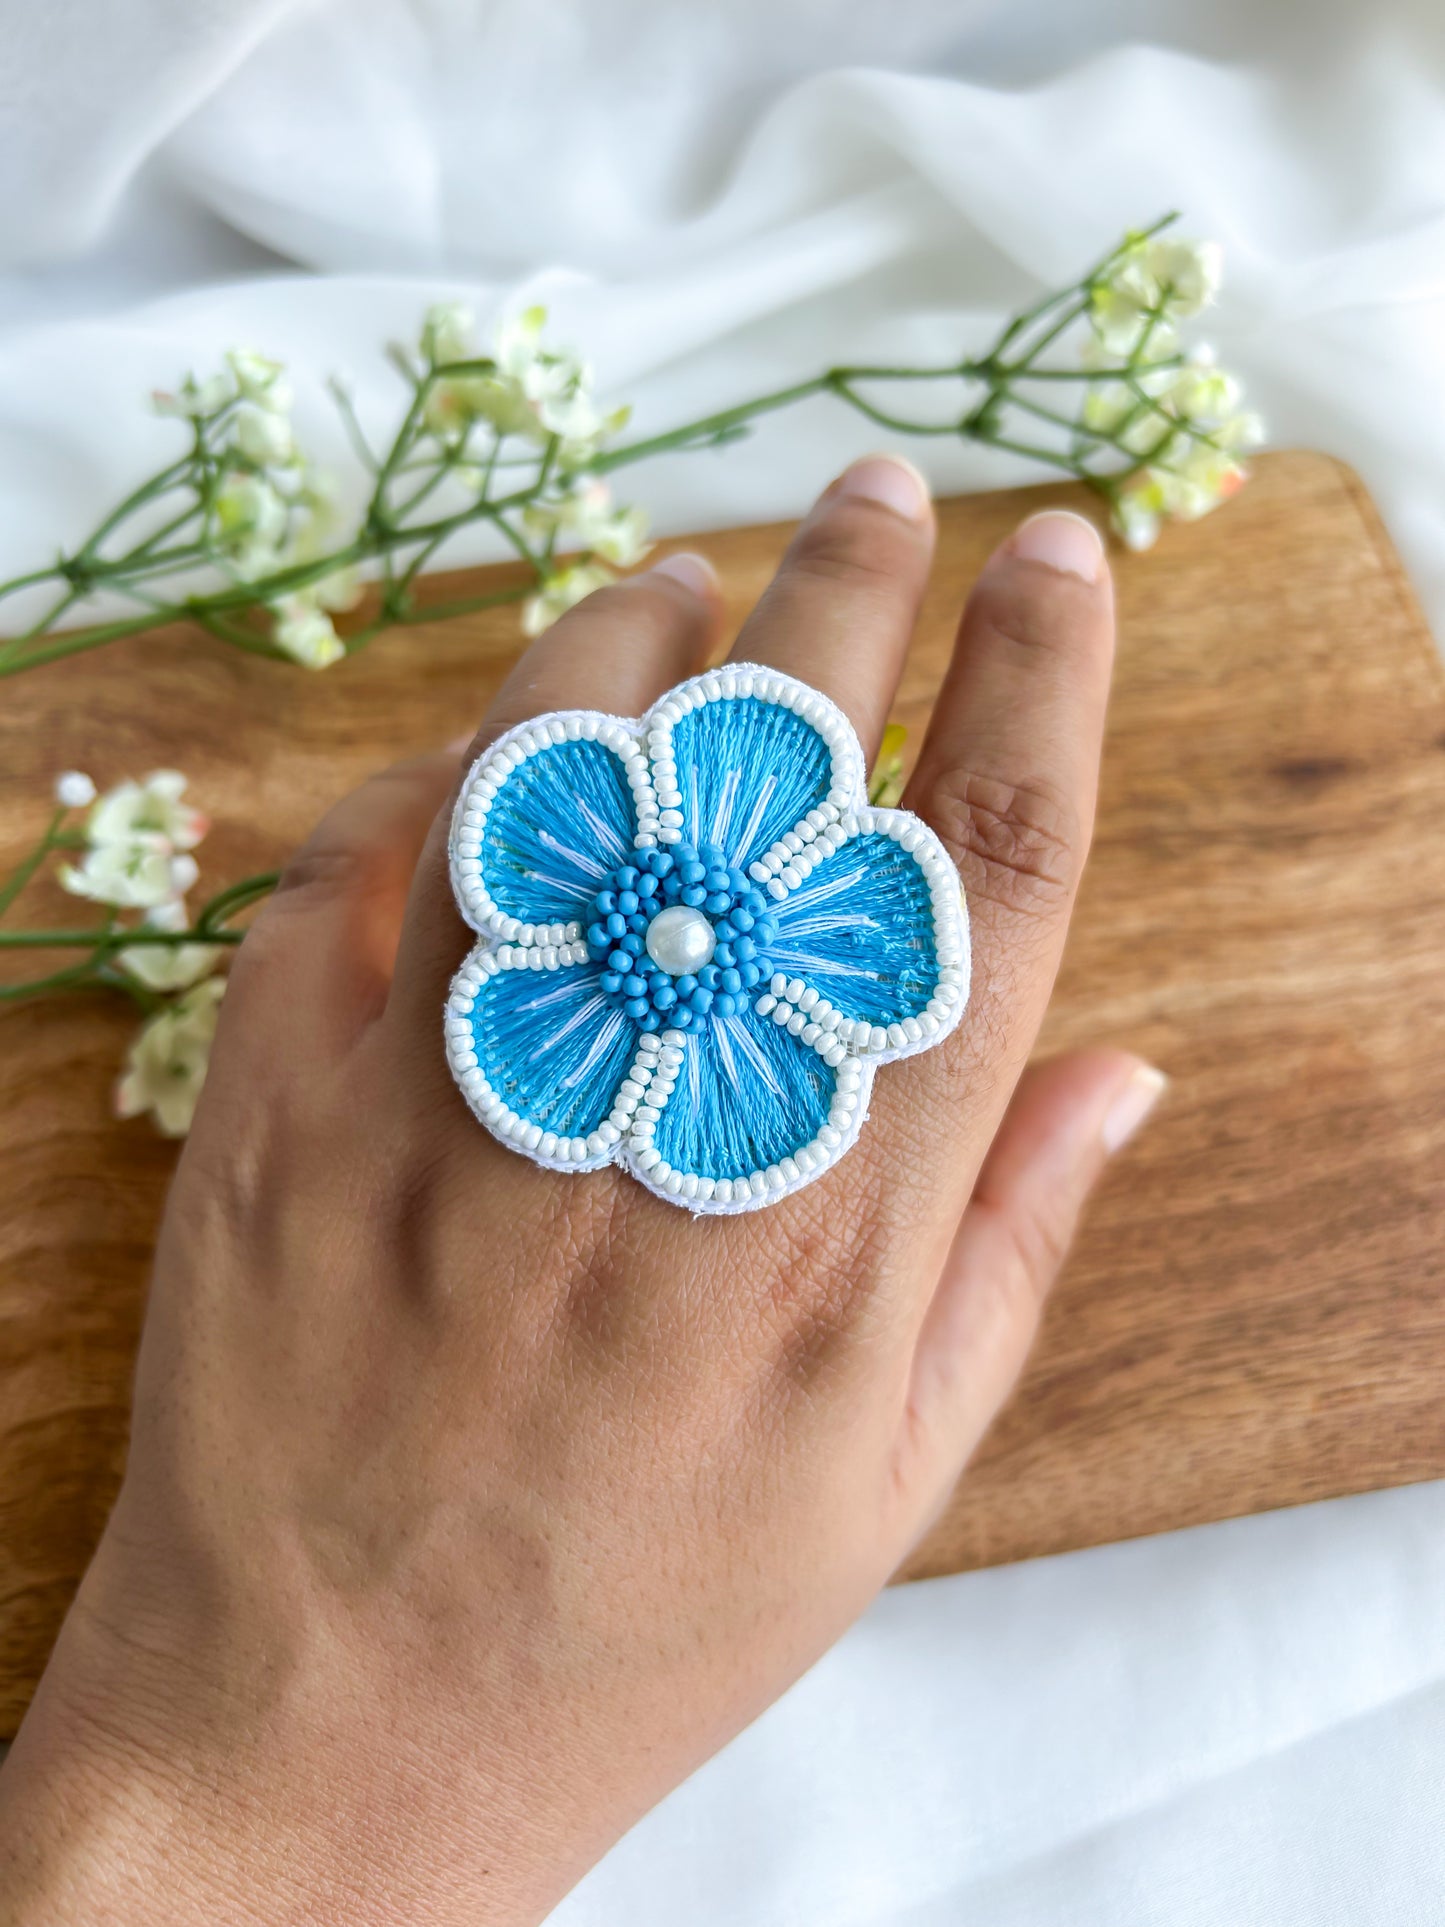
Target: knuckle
{"x":1019,"y":845}
{"x":821,"y":1269}
{"x":319,"y":870}
{"x":1034,"y":1246}
{"x":856,"y":544}
{"x":1055,"y":614}
{"x":340,"y":858}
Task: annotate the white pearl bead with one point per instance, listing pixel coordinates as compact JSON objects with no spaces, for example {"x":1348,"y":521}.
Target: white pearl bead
{"x":680,"y":940}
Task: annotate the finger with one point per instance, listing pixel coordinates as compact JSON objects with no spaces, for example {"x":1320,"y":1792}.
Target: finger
{"x":1008,"y":775}
{"x":617,"y":651}
{"x":840,"y":611}
{"x":1067,"y":1118}
{"x":319,"y":955}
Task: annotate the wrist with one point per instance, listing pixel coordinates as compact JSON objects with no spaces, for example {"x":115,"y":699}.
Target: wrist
{"x":144,"y":1793}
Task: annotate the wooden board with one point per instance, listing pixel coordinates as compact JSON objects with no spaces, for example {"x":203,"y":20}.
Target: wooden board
{"x":1255,"y":1313}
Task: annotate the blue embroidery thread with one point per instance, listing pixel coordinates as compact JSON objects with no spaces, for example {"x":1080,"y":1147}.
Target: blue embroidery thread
{"x":696,"y":940}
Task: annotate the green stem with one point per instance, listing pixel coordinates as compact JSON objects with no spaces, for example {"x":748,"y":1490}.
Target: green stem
{"x":354,"y":433}
{"x":464,"y":605}
{"x":1060,"y":326}
{"x":27,"y":867}
{"x":238,"y":636}
{"x":52,"y":615}
{"x":78,"y":641}
{"x":387,"y":530}
{"x":231,"y":901}
{"x":147,"y":491}
{"x":54,"y":573}
{"x":102,"y":940}
{"x":73,"y":976}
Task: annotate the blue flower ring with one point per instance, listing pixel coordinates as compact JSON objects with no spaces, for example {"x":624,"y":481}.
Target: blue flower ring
{"x":696,"y":940}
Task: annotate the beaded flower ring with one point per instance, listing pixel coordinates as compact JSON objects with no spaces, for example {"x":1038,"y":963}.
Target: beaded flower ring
{"x":697,"y":940}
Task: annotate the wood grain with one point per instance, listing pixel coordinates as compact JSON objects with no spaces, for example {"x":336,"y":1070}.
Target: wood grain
{"x":1254,"y":1314}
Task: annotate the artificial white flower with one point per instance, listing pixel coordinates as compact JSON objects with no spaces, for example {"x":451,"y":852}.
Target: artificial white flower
{"x":447,"y":333}
{"x":74,"y":790}
{"x":535,"y":391}
{"x":1135,"y":521}
{"x":193,"y":398}
{"x":169,"y":966}
{"x":135,"y":875}
{"x":1120,"y":308}
{"x":575,"y":419}
{"x":167,"y":1063}
{"x":621,"y":538}
{"x":306,"y":632}
{"x":1202,"y":393}
{"x":588,"y":520}
{"x":1149,"y":284}
{"x":1163,"y":347}
{"x":1192,"y":478}
{"x":1198,"y":482}
{"x":560,"y":591}
{"x":517,"y":344}
{"x":264,"y":437}
{"x":452,"y":406}
{"x":342,"y":588}
{"x":260,"y":380}
{"x":152,"y":807}
{"x":1112,"y":409}
{"x":1190,"y":271}
{"x":251,"y":521}
{"x":1241,"y":431}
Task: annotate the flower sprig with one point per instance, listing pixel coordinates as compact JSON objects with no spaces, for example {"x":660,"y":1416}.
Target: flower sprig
{"x":513,"y":438}
{"x":132,"y":853}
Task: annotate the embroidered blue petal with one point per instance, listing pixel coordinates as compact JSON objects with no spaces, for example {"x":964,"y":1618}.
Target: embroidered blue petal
{"x":859,"y":931}
{"x":748,"y":1095}
{"x":559,"y":823}
{"x":747,"y":771}
{"x":552,"y":1046}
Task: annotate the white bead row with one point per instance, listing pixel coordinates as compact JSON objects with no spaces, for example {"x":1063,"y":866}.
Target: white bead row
{"x":810,"y":1016}
{"x":640,"y":1096}
{"x":733,"y":682}
{"x":846,"y":1112}
{"x":540,"y":956}
{"x":799,"y":852}
{"x":487,"y":778}
{"x":547,"y":1147}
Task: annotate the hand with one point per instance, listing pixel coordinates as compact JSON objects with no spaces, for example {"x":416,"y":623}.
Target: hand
{"x":470,"y":1506}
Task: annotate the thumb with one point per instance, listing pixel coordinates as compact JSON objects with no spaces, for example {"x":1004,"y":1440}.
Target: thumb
{"x":1066,"y":1119}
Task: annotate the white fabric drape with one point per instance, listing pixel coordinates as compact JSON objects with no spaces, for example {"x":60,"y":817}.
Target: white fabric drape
{"x":1244,"y":1724}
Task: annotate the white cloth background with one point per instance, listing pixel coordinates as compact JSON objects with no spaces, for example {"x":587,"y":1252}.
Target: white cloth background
{"x":1244,"y":1724}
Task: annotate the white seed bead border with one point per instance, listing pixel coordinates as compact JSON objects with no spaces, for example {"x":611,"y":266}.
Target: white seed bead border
{"x":556,"y":1151}
{"x":850,"y":1048}
{"x":726,"y":1197}
{"x":809,"y":1015}
{"x":626,"y":1135}
{"x":485,"y":779}
{"x":735,"y":682}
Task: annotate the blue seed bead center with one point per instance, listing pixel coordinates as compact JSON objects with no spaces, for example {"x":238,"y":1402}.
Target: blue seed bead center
{"x":653,"y":880}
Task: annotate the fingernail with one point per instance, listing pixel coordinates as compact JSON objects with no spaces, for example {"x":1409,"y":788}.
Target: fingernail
{"x":889,"y":480}
{"x":1131,"y":1106}
{"x":1060,"y":540}
{"x":694,"y":572}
